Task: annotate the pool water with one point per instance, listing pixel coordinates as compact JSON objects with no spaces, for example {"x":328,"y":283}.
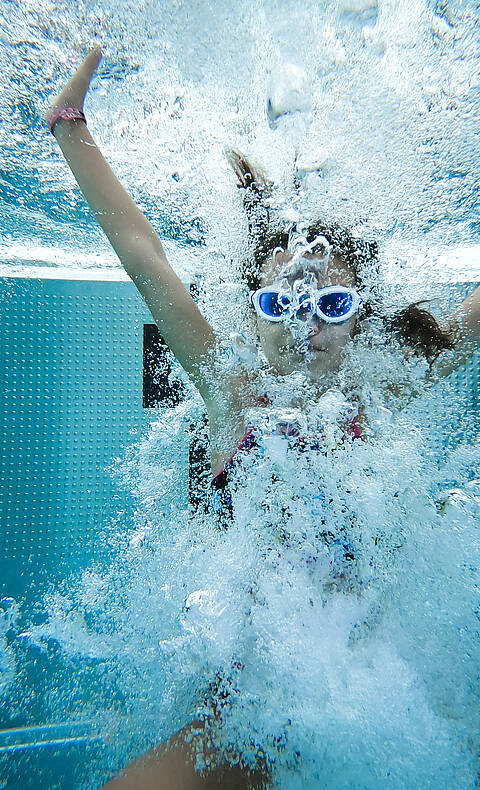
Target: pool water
{"x":341,"y":604}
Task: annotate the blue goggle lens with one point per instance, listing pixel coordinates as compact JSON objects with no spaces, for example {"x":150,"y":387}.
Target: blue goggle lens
{"x":335,"y":305}
{"x":270,"y":305}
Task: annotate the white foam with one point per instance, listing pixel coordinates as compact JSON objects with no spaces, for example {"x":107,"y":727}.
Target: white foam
{"x":334,"y":661}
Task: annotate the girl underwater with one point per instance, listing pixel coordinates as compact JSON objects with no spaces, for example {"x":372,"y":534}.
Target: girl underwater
{"x":307,"y":302}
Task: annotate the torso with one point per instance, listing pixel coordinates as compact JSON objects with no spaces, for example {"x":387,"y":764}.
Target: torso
{"x":226,"y":419}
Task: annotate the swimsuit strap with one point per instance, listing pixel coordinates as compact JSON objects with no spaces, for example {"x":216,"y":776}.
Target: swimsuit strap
{"x":248,"y":441}
{"x":246,"y":444}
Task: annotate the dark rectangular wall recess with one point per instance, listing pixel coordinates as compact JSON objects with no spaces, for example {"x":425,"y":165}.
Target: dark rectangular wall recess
{"x":158,"y":387}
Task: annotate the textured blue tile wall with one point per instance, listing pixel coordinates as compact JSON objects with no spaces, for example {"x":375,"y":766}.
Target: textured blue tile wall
{"x":71,"y":360}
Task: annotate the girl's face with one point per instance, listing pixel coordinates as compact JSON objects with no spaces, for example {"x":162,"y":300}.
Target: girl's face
{"x":327,"y":342}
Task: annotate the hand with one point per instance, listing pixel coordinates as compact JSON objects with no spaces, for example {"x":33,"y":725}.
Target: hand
{"x":73,"y":94}
{"x":247,"y":174}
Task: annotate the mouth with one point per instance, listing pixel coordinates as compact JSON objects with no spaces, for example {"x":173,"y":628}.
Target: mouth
{"x":308,"y":348}
{"x":314,"y":343}
{"x":308,"y":345}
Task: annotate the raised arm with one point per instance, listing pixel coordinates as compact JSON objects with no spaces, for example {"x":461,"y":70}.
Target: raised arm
{"x":466,"y":325}
{"x":187,"y":333}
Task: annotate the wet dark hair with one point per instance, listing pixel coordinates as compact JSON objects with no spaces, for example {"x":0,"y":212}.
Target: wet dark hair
{"x":358,"y":254}
{"x":414,"y":326}
{"x":419,"y":329}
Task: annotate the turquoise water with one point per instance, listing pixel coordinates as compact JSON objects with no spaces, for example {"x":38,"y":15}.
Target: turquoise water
{"x":121,"y":604}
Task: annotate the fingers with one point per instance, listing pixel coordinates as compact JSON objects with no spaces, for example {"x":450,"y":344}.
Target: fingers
{"x":93,"y":58}
{"x":240,"y":167}
{"x":247,"y":174}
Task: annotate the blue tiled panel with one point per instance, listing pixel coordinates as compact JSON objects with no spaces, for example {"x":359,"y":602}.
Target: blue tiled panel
{"x":71,"y":362}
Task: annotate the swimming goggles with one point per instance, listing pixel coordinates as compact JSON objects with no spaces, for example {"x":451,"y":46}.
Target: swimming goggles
{"x":334,"y":304}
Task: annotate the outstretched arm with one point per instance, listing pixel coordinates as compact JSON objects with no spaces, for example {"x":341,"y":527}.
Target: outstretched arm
{"x":185,"y":330}
{"x":466,"y":323}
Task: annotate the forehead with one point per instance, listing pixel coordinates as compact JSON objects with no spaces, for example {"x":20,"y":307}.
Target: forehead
{"x":337,"y":271}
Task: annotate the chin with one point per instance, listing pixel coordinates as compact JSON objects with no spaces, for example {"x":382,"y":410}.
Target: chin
{"x":302,"y":364}
{"x":318,"y":376}
{"x":321,"y":364}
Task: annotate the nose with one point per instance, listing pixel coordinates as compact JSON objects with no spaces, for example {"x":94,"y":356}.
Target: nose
{"x":316,"y":324}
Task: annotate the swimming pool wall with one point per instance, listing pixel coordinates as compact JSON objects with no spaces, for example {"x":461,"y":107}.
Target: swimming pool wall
{"x":76,"y":359}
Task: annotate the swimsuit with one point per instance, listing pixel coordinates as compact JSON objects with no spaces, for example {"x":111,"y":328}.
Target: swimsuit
{"x":220,"y":496}
{"x":342,"y":560}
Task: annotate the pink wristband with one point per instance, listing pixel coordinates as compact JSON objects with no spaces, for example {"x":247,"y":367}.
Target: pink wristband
{"x":66,"y":114}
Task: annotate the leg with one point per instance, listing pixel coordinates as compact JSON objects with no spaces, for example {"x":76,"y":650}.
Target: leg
{"x":171,"y":766}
